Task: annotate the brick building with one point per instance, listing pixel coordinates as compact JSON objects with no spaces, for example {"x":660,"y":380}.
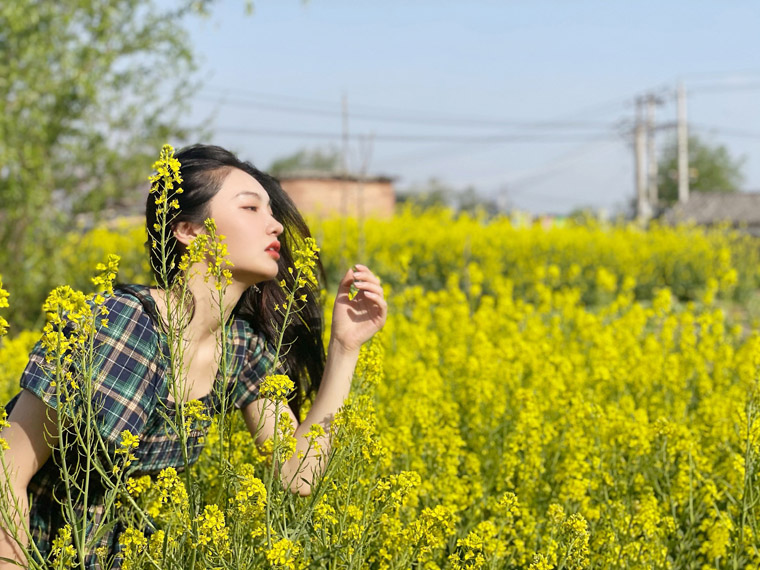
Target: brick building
{"x":325,"y":195}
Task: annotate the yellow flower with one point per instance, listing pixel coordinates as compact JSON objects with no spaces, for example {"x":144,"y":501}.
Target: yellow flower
{"x":4,"y":419}
{"x":276,"y":387}
{"x":395,"y":488}
{"x":540,"y":563}
{"x":305,"y":260}
{"x":283,"y":555}
{"x":172,"y":500}
{"x":195,"y":415}
{"x":3,"y":304}
{"x":138,"y":486}
{"x":128,"y":444}
{"x":63,"y":552}
{"x":314,"y":435}
{"x":133,"y":543}
{"x":480,"y":547}
{"x":251,"y":497}
{"x":104,"y":280}
{"x":212,"y":529}
{"x":3,"y":296}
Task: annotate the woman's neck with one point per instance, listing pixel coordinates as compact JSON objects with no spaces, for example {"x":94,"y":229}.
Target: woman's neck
{"x":207,"y":316}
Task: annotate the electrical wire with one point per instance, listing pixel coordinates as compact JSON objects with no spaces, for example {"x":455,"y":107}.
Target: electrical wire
{"x":727,"y":131}
{"x":550,"y":138}
{"x":406,"y":116}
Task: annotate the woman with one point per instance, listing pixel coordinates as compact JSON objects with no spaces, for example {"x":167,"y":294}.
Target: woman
{"x":260,"y":225}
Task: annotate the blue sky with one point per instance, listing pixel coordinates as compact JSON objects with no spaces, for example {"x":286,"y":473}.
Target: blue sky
{"x":529,"y":102}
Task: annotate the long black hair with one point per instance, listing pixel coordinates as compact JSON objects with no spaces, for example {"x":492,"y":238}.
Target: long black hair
{"x":203,"y":169}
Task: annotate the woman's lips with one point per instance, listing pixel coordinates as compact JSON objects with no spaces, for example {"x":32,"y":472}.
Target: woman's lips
{"x":274,"y":249}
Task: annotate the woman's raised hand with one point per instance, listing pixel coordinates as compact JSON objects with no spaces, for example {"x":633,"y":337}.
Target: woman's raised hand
{"x":356,"y":320}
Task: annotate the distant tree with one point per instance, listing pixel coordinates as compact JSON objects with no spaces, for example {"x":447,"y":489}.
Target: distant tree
{"x":89,"y":90}
{"x":471,"y":201}
{"x":711,"y":168}
{"x":307,"y":160}
{"x":433,"y":194}
{"x":583,"y":215}
{"x":437,"y":194}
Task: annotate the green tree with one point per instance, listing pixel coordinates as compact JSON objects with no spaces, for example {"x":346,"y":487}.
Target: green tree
{"x":711,"y":169}
{"x":437,"y":194}
{"x":432,"y":194}
{"x":307,"y":160}
{"x":89,"y":90}
{"x":471,"y":201}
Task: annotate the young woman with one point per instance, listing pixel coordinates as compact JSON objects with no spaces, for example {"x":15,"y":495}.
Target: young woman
{"x":261,"y":227}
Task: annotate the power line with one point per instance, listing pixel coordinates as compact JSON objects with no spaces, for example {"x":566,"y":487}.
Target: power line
{"x":485,"y":132}
{"x":249,"y":96}
{"x":409,"y":116}
{"x":559,"y":164}
{"x":721,"y":88}
{"x":728,"y":131}
{"x":471,"y":139}
{"x":721,"y":74}
{"x":607,"y":105}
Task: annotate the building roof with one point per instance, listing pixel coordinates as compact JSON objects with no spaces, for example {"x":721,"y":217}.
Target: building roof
{"x":715,"y":207}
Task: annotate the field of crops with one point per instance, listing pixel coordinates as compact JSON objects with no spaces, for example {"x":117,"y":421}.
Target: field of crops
{"x":577,"y":397}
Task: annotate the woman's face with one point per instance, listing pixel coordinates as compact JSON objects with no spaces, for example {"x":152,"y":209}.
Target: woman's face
{"x":243,"y":215}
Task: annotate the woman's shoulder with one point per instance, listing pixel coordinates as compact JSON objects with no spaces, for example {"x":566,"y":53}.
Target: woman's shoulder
{"x":128,"y":319}
{"x":131,"y":301}
{"x":125,"y":363}
{"x":245,"y":333}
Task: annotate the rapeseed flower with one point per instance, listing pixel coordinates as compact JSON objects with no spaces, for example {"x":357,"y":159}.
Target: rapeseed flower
{"x":3,"y":305}
{"x":276,"y":387}
{"x":599,"y":370}
{"x":133,"y":544}
{"x":196,"y":415}
{"x":251,"y":497}
{"x":63,"y":552}
{"x":283,"y":555}
{"x":212,"y":530}
{"x":128,"y":444}
{"x":305,"y":261}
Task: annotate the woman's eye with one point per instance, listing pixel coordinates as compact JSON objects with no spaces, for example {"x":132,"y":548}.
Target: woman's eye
{"x":252,"y":208}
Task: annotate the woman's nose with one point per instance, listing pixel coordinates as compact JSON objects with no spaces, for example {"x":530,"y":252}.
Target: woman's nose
{"x":277,"y":227}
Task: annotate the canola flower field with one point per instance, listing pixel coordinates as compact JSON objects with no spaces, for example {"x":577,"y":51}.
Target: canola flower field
{"x":567,"y":398}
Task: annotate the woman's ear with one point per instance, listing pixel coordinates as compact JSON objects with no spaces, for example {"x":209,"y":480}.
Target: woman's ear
{"x":185,"y":232}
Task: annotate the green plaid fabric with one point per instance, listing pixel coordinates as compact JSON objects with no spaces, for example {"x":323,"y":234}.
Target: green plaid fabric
{"x":131,"y":392}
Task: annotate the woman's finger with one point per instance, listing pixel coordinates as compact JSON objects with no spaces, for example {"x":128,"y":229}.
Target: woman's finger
{"x":362,"y":273}
{"x":369,"y":286}
{"x":379,"y":303}
{"x":373,"y":293}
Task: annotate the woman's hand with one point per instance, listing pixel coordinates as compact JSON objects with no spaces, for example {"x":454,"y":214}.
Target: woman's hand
{"x":356,"y":320}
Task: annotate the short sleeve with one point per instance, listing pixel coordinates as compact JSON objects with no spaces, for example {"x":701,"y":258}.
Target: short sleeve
{"x":258,"y":362}
{"x":124,"y":379}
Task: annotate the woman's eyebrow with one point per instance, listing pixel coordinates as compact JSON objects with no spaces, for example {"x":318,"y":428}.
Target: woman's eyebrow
{"x":251,"y":193}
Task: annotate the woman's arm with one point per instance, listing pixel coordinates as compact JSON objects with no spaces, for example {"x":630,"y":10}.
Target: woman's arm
{"x":354,"y":322}
{"x":31,"y":436}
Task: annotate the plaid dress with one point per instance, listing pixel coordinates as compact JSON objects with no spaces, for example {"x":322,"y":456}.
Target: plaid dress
{"x":132,"y":392}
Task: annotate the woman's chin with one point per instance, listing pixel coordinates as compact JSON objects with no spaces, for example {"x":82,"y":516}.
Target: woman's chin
{"x":257,"y":280}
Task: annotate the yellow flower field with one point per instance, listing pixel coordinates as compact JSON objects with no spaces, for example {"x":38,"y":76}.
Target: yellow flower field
{"x":540,"y":399}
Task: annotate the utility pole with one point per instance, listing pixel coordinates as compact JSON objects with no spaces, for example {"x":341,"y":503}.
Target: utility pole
{"x":344,"y":159}
{"x":651,"y":101}
{"x":683,"y":146}
{"x":343,"y":183}
{"x":366,"y":145}
{"x":344,"y":153}
{"x":643,"y":208}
